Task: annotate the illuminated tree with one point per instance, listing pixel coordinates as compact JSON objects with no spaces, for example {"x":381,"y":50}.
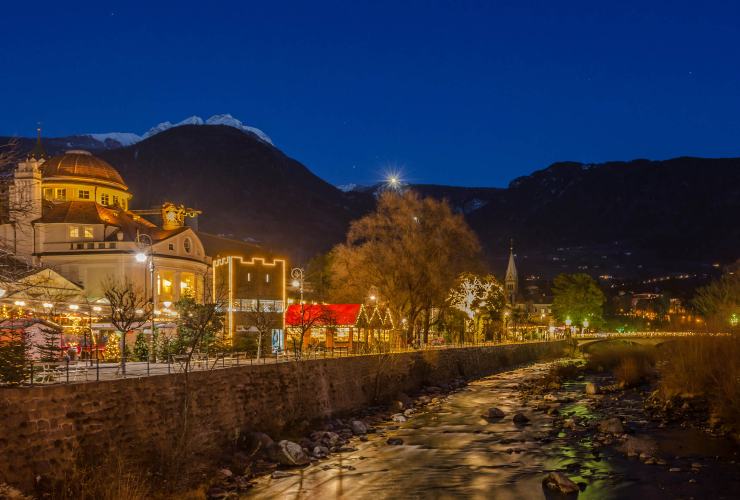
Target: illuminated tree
{"x":481,"y":299}
{"x":577,"y":297}
{"x":411,"y":249}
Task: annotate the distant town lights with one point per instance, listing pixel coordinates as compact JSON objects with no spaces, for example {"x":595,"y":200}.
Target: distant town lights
{"x":48,"y":305}
{"x":19,"y":303}
{"x":74,"y":307}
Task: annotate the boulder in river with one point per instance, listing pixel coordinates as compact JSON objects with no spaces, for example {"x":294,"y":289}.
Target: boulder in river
{"x":288,"y":453}
{"x":320,"y":451}
{"x":398,"y":417}
{"x":520,"y":419}
{"x":557,"y":481}
{"x":611,"y":426}
{"x":395,"y":441}
{"x":638,"y":445}
{"x":359,"y":427}
{"x":494,"y":414}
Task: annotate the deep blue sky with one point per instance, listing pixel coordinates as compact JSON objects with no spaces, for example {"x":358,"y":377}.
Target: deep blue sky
{"x":465,"y":93}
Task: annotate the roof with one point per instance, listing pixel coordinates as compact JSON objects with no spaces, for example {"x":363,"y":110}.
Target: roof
{"x":90,"y":212}
{"x":218,"y":246}
{"x":323,"y":314}
{"x":82,"y":165}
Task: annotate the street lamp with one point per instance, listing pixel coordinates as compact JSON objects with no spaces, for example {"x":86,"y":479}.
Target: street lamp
{"x":298,"y":276}
{"x":143,"y":241}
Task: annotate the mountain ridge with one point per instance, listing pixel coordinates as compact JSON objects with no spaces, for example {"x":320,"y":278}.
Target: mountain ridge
{"x":628,"y":218}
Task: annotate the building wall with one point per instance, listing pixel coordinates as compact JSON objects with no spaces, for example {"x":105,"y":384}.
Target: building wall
{"x":240,"y":282}
{"x":75,"y":191}
{"x":46,"y":429}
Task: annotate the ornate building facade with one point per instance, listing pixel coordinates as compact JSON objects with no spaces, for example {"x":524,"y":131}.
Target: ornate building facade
{"x":70,"y":213}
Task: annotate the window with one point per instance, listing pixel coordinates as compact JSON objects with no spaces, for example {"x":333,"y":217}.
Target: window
{"x":105,"y":199}
{"x":249,"y":276}
{"x":83,"y":194}
{"x":267,"y":278}
{"x":188,"y":245}
{"x":61,"y":194}
{"x":48,"y":193}
{"x":115,"y":200}
{"x":88,"y":232}
{"x":171,"y":246}
{"x":74,"y":232}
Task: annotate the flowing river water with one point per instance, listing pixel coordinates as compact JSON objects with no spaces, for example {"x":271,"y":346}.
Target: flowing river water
{"x":450,"y":451}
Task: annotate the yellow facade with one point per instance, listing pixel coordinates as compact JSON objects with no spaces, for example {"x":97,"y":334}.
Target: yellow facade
{"x":99,"y":192}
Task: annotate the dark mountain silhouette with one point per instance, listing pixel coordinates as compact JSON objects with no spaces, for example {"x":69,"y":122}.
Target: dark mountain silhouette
{"x":246,"y":188}
{"x":621,"y":217}
{"x":628,"y":219}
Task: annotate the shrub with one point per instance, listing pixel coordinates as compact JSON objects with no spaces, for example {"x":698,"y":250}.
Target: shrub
{"x":704,"y":366}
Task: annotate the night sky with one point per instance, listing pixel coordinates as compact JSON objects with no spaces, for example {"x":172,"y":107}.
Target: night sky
{"x":463,"y":93}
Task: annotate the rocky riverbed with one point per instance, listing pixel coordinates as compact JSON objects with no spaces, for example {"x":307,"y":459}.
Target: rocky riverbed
{"x":519,"y":434}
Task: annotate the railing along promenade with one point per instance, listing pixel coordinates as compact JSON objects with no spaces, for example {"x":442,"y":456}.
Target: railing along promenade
{"x":95,"y":370}
{"x":80,"y":371}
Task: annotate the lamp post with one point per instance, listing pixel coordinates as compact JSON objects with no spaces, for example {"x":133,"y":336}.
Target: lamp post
{"x":143,"y":241}
{"x":585,"y":326}
{"x":568,"y":322}
{"x":298,"y":275}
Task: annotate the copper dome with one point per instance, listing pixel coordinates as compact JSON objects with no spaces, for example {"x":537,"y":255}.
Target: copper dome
{"x":82,"y":165}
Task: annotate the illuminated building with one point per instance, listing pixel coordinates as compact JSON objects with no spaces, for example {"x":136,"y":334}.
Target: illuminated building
{"x":247,"y":284}
{"x":534,"y":305}
{"x":71,"y":213}
{"x":352,"y":327}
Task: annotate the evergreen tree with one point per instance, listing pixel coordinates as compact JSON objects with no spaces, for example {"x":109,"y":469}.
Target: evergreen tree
{"x":15,"y":366}
{"x":141,"y":347}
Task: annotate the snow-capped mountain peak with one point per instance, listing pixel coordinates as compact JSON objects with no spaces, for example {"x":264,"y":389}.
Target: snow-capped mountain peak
{"x":230,"y":121}
{"x":127,"y":138}
{"x":122,"y":138}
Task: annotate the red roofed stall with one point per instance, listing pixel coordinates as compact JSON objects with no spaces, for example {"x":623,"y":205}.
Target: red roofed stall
{"x":354,"y":327}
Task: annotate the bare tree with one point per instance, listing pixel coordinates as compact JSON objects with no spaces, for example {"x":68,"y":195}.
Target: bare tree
{"x":129,"y":308}
{"x":263,"y":317}
{"x":309,"y":316}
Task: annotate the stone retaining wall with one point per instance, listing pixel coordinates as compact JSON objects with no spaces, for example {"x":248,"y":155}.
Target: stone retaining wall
{"x":45,"y":431}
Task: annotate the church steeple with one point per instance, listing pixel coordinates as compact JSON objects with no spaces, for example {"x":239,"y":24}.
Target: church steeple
{"x":512,"y":279}
{"x":38,"y":152}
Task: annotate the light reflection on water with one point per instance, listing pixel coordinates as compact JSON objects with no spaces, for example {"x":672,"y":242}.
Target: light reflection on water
{"x":450,"y":451}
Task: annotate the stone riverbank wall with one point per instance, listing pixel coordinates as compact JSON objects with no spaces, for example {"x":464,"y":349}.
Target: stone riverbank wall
{"x":48,"y":431}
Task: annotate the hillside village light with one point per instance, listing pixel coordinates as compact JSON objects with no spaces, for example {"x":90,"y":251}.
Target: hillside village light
{"x":74,"y":307}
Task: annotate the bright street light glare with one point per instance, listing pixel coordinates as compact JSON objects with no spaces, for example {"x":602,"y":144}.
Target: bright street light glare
{"x":140,"y":257}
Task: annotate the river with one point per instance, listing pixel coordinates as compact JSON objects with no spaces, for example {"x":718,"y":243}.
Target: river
{"x":450,"y":451}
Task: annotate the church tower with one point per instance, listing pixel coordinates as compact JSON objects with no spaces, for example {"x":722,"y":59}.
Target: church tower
{"x":512,"y":279}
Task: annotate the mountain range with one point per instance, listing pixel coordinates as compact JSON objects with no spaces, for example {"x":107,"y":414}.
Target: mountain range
{"x":636,"y":219}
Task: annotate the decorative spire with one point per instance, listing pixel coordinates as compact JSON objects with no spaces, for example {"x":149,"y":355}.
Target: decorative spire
{"x":512,"y":278}
{"x":38,"y":152}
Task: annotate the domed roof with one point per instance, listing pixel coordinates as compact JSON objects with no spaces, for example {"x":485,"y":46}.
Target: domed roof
{"x":82,"y":165}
